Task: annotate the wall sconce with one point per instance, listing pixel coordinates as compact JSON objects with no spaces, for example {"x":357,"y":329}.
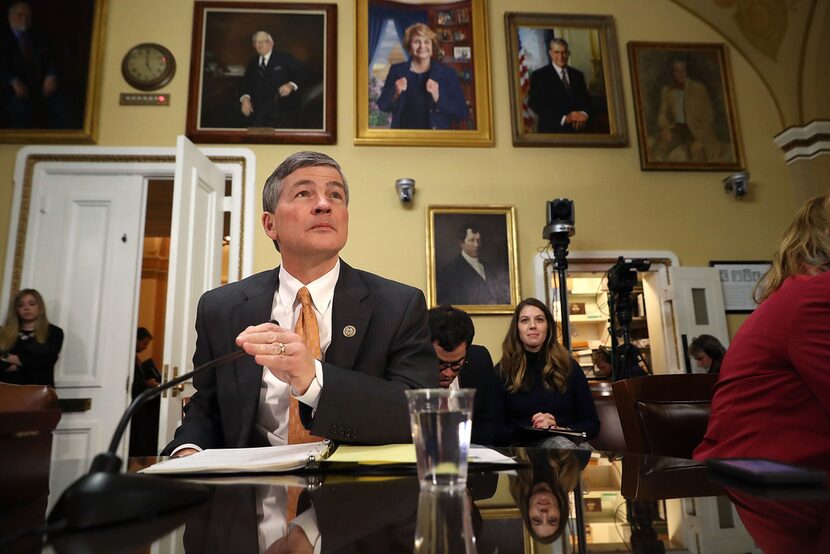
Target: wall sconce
{"x":737,"y":184}
{"x":406,"y":189}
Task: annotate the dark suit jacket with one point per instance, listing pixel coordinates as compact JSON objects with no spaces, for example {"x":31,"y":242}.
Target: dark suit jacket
{"x":488,"y":413}
{"x":14,"y":65}
{"x":271,"y":109}
{"x":364,"y":375}
{"x":552,"y":101}
{"x":451,"y":105}
{"x":459,"y":283}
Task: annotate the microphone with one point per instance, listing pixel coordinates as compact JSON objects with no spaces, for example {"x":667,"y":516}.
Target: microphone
{"x":105,"y":496}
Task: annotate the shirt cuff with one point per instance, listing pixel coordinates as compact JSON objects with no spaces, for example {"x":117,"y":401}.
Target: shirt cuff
{"x":312,"y":395}
{"x":295,"y":85}
{"x":307,"y":521}
{"x":182,"y":447}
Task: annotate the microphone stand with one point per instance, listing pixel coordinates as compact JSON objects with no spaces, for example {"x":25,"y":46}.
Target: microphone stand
{"x":105,"y":496}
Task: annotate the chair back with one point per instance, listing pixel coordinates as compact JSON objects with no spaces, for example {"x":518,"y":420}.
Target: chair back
{"x":28,"y":414}
{"x":610,"y":438}
{"x":665,"y":415}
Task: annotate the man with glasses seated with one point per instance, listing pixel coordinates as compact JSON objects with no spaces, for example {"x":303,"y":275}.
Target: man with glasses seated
{"x":462,"y":364}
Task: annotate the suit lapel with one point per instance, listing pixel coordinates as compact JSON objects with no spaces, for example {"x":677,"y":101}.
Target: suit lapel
{"x":351,"y":313}
{"x":253,"y":310}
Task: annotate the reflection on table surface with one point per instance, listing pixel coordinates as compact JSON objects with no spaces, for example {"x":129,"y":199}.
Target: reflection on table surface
{"x":554,"y":501}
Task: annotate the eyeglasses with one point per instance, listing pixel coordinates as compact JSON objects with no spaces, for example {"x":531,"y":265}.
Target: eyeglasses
{"x":455,"y":366}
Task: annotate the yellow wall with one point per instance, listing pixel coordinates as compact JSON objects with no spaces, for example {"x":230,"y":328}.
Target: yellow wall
{"x":617,"y":205}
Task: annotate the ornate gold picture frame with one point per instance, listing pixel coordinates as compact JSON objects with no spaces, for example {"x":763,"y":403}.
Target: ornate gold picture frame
{"x":471,"y":258}
{"x":66,"y":45}
{"x":460,"y":67}
{"x":540,"y":102}
{"x":686,"y":117}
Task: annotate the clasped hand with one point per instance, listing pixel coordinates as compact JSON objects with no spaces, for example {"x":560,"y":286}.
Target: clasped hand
{"x":282,"y":351}
{"x":543,"y":420}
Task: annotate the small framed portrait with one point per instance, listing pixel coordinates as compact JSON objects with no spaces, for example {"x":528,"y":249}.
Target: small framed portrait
{"x":686,"y":118}
{"x":52,"y":59}
{"x":739,"y":279}
{"x":565,"y":86}
{"x":471,"y":261}
{"x":461,"y":53}
{"x":263,"y":73}
{"x":423,"y":74}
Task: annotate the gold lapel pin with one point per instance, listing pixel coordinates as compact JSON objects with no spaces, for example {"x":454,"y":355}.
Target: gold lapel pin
{"x":349,"y":331}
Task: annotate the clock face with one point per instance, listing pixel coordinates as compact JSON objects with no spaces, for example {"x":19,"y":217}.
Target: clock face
{"x":148,"y":66}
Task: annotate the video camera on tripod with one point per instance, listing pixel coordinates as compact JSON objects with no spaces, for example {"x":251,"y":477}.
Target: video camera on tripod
{"x":622,"y":277}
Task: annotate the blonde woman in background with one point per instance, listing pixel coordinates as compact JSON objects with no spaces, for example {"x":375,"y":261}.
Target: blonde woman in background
{"x":29,"y":344}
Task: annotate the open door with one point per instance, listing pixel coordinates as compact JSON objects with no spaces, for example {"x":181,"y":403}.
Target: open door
{"x":195,"y":267}
{"x":83,"y":241}
{"x":698,"y":307}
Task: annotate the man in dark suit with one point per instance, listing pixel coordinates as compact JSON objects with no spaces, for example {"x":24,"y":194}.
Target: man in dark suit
{"x":558,"y":93}
{"x":464,"y":365}
{"x":373,"y":333}
{"x":467,"y":280}
{"x":269,"y":94}
{"x":144,"y":429}
{"x":28,"y":77}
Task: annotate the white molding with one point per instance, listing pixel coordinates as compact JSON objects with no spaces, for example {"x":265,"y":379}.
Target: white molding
{"x":815,"y":135}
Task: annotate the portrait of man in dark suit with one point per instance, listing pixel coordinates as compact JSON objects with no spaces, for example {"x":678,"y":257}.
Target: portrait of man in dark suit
{"x":566,"y":87}
{"x":269,"y":92}
{"x":33,"y":89}
{"x":472,"y":260}
{"x":266,"y":73}
{"x":559,"y":94}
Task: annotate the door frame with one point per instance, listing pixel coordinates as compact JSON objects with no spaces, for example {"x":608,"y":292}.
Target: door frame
{"x":665,"y":356}
{"x":238,"y":165}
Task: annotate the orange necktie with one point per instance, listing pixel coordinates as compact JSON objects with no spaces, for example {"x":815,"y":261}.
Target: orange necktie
{"x":306,"y":327}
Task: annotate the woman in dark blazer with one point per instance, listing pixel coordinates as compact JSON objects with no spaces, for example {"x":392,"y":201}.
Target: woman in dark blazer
{"x":422,"y":93}
{"x":29,"y":344}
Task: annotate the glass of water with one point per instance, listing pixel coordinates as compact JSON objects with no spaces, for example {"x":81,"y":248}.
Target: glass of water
{"x":441,"y":424}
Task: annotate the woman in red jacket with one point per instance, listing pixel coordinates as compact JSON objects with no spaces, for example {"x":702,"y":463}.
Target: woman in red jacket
{"x":772,"y":399}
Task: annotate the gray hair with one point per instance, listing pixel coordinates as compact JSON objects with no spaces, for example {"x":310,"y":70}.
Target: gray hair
{"x":560,"y":42}
{"x":253,"y":38}
{"x":273,"y":185}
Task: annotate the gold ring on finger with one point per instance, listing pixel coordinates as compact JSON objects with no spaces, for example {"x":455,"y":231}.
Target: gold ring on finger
{"x":282,"y":349}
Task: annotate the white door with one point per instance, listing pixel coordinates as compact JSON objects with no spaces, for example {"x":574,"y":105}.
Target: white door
{"x":195,"y":267}
{"x":698,"y":306}
{"x":83,"y":249}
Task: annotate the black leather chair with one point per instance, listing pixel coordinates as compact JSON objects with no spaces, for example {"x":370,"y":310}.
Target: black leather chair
{"x":610,"y":438}
{"x":28,"y":414}
{"x":665,"y":415}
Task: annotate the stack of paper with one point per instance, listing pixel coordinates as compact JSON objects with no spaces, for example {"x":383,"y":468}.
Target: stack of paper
{"x":303,"y":456}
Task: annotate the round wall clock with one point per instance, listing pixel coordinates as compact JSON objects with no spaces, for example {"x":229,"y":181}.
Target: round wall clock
{"x":148,"y":66}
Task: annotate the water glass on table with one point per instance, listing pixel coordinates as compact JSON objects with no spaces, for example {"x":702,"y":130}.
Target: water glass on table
{"x":441,"y":424}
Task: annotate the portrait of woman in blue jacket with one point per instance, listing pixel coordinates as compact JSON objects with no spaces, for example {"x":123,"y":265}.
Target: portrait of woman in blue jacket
{"x":422,"y":93}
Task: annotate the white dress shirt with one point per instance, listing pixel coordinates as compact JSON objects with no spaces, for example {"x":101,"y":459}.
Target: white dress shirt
{"x":475,"y":264}
{"x":272,"y":412}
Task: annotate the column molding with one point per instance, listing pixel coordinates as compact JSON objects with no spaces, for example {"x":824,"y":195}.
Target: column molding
{"x":806,"y":142}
